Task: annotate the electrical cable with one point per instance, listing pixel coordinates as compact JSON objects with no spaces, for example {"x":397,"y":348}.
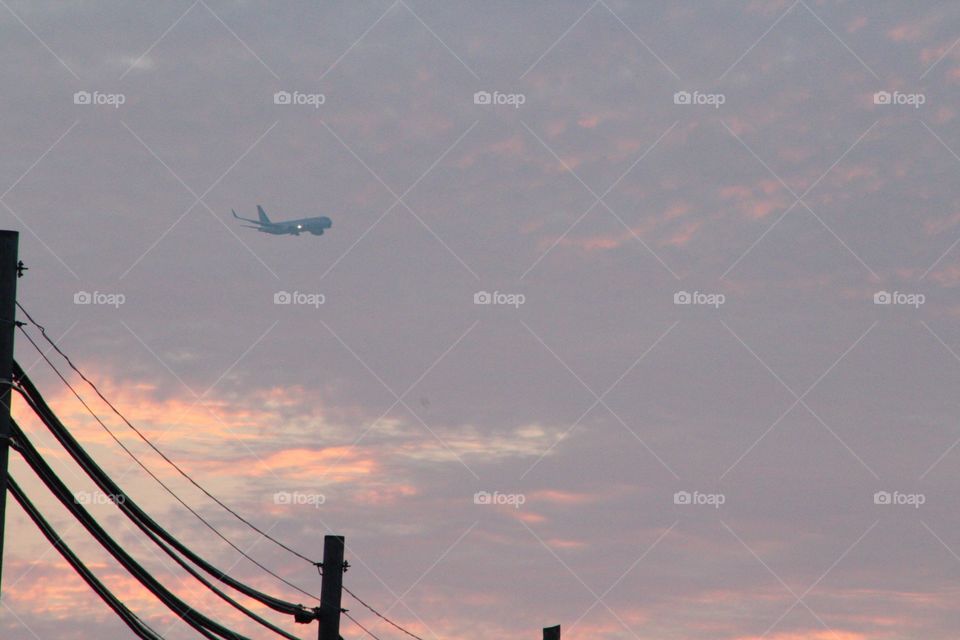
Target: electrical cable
{"x":140,"y":628}
{"x":184,"y":474}
{"x":200,"y":622}
{"x":173,"y":464}
{"x":140,"y":518}
{"x":143,"y":466}
{"x":380,"y":615}
{"x":367,"y":631}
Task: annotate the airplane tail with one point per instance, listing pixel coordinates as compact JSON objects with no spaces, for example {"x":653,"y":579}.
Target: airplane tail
{"x":262,"y":215}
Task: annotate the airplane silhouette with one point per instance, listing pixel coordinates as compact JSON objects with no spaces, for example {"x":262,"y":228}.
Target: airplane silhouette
{"x":315,"y":226}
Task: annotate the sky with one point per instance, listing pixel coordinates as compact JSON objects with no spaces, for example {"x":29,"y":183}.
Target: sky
{"x":639,"y":318}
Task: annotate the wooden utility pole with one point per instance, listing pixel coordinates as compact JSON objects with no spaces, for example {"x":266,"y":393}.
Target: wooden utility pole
{"x":551,"y":633}
{"x":8,"y":310}
{"x":331,"y":587}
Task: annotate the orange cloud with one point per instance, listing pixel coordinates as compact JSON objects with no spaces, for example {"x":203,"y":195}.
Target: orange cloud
{"x":917,"y":30}
{"x":384,"y":494}
{"x":168,"y":417}
{"x":857,"y":23}
{"x":676,"y":236}
{"x":331,"y":464}
{"x":756,"y":201}
{"x":563,"y":543}
{"x":939,"y":225}
{"x":561,"y":497}
{"x":948,"y":276}
{"x":822,"y":634}
{"x":683,"y":235}
{"x":589,"y":122}
{"x":555,"y":128}
{"x":528,"y":516}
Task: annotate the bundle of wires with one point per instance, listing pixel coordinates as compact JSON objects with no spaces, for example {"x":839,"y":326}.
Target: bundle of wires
{"x":133,"y":511}
{"x":190,"y":561}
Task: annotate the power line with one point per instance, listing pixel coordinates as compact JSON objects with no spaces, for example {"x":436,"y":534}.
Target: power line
{"x":372,"y":610}
{"x":53,"y":344}
{"x":380,"y":615}
{"x":147,"y":469}
{"x":173,"y":464}
{"x":163,"y":539}
{"x":140,"y":628}
{"x":200,"y":622}
{"x":354,"y":620}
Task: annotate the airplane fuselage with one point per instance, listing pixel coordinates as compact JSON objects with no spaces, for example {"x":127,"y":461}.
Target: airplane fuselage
{"x":315,"y":226}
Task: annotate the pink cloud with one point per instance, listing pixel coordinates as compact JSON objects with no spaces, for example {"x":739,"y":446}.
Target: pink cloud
{"x":823,"y":634}
{"x":555,"y":127}
{"x":528,"y":516}
{"x":683,"y":235}
{"x":336,"y":464}
{"x":857,"y":23}
{"x":563,"y":543}
{"x":755,"y":201}
{"x":917,"y":30}
{"x":589,"y":122}
{"x":562,"y":497}
{"x":939,"y":225}
{"x":948,"y":276}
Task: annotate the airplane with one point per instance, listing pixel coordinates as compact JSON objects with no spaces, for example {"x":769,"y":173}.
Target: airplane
{"x":315,"y":226}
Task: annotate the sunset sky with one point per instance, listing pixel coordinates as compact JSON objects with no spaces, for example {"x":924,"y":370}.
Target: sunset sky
{"x":789,"y":168}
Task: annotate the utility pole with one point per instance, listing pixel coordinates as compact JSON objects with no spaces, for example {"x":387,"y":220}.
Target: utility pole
{"x":551,"y":633}
{"x":331,"y":587}
{"x":8,"y":310}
